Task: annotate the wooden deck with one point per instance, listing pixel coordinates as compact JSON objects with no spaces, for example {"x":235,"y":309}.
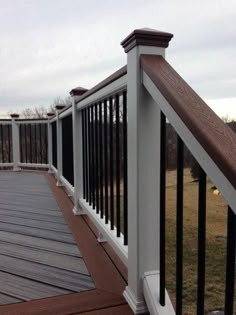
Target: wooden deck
{"x":50,"y":260}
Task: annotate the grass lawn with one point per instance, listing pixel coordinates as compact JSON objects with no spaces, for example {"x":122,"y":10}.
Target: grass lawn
{"x":216,"y":244}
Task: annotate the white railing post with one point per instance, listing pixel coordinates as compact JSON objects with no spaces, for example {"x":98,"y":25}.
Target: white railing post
{"x":143,"y":166}
{"x":15,"y":142}
{"x":59,"y":145}
{"x":49,"y":115}
{"x":77,"y":151}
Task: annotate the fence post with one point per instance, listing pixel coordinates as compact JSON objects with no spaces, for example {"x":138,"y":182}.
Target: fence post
{"x":59,"y":145}
{"x":143,"y":165}
{"x":49,"y":115}
{"x":15,"y":142}
{"x":77,"y":150}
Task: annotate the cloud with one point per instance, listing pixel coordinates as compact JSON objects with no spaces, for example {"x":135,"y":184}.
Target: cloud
{"x":49,"y":47}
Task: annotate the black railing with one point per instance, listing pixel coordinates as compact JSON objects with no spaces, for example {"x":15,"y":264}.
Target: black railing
{"x":104,"y":126}
{"x":5,"y":143}
{"x":200,"y":250}
{"x":54,"y":144}
{"x":33,"y":143}
{"x":67,"y":149}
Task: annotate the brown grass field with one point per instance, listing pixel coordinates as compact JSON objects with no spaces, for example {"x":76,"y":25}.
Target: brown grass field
{"x":215,"y":244}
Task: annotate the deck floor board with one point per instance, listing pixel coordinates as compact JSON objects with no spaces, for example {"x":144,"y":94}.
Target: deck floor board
{"x":39,"y":257}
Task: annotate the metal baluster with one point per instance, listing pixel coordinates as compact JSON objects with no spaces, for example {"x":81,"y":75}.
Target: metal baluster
{"x":86,"y":154}
{"x":125,"y":166}
{"x":30,"y":144}
{"x":96,"y":159}
{"x":106,"y":162}
{"x":230,"y":262}
{"x":179,"y":226}
{"x":111,"y":163}
{"x":101,"y":159}
{"x":2,"y":144}
{"x":201,"y":241}
{"x":26,"y":149}
{"x":162,"y":208}
{"x":83,"y":149}
{"x":9,"y":143}
{"x":117,"y":108}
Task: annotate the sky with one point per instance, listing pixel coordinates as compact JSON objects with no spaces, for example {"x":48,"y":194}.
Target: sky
{"x":48,"y":47}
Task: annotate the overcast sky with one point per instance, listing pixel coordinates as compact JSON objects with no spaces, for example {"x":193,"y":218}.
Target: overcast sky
{"x":48,"y":47}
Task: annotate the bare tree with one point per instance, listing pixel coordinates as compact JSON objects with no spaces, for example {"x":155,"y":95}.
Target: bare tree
{"x":62,"y":101}
{"x":227,"y":119}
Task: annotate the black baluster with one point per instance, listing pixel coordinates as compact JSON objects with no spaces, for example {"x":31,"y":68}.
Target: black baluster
{"x":230,"y":263}
{"x":40,"y":143}
{"x":2,"y":144}
{"x":26,"y":144}
{"x":9,"y":143}
{"x":111,"y":164}
{"x":117,"y":108}
{"x":45,"y":143}
{"x":86,"y":154}
{"x":83,"y":150}
{"x":125,"y":166}
{"x":101,"y":159}
{"x":179,"y":226}
{"x":106,"y":162}
{"x":96,"y":159}
{"x":30,"y":144}
{"x":90,"y":157}
{"x":162,"y":208}
{"x":201,"y":241}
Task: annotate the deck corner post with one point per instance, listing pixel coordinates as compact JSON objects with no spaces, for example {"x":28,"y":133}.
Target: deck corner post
{"x":49,"y":143}
{"x":15,"y":142}
{"x":143,"y":166}
{"x":59,"y":145}
{"x":77,"y":152}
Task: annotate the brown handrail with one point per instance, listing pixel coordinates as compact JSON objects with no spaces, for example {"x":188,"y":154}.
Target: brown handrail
{"x":115,"y":76}
{"x":217,"y":139}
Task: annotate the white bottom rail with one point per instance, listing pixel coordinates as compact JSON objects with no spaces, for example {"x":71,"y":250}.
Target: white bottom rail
{"x":151,"y":281}
{"x":107,"y":234}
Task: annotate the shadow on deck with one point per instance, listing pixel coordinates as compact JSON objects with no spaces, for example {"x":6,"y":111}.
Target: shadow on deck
{"x":50,"y":260}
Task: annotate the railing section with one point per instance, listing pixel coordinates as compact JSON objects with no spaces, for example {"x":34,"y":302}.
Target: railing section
{"x":104,"y":126}
{"x":67,"y":149}
{"x":6,"y":155}
{"x":33,"y":142}
{"x":54,"y":143}
{"x":159,"y":75}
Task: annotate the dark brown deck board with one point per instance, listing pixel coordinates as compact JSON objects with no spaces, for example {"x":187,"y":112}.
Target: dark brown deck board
{"x":115,"y":310}
{"x":68,"y":304}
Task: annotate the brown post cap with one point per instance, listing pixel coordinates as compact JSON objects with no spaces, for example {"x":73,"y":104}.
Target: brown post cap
{"x":146,"y":37}
{"x":78,"y":91}
{"x":14,"y":115}
{"x":60,"y":107}
{"x":50,"y":114}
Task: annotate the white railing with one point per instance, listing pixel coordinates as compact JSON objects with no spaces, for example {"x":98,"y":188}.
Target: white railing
{"x":153,"y":89}
{"x":19,"y":146}
{"x":81,"y":100}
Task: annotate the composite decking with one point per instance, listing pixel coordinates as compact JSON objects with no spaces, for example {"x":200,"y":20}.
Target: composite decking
{"x":50,"y":260}
{"x":39,"y":257}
